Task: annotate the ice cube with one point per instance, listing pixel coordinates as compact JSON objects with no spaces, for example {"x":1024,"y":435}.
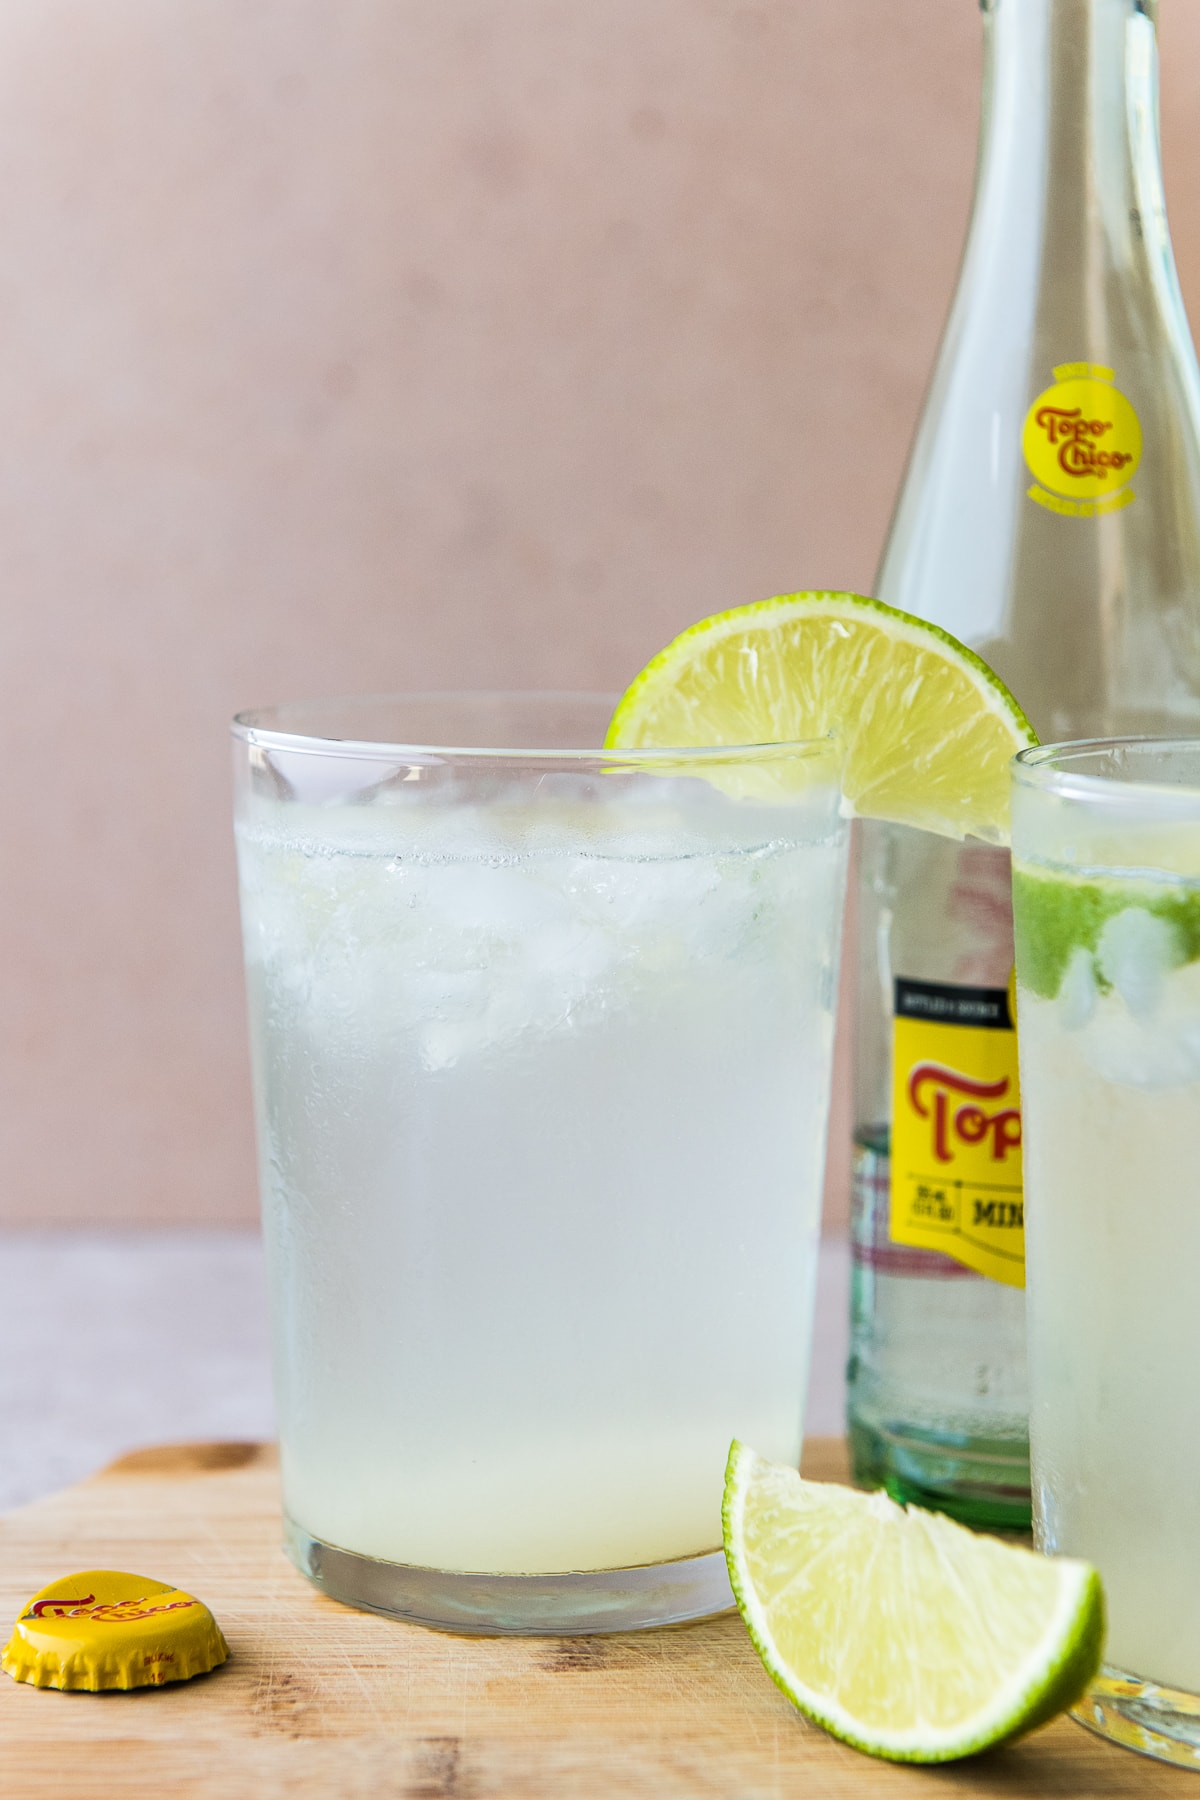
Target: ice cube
{"x":1162,"y":1051}
{"x":1077,"y":995}
{"x":329,"y":776}
{"x":505,"y":902}
{"x":662,"y":896}
{"x":508,"y":1011}
{"x":443,"y":1041}
{"x":572,"y":956}
{"x":1136,"y":950}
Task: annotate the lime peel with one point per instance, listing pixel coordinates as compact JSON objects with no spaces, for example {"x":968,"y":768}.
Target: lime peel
{"x":928,"y":729}
{"x":899,"y":1631}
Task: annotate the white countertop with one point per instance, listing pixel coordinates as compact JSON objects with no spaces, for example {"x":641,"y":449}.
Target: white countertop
{"x":119,"y":1339}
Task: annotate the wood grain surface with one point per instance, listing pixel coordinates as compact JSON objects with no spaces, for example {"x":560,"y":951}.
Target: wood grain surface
{"x":319,"y":1700}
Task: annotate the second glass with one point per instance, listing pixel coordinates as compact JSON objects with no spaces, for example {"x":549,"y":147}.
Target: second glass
{"x":542,"y":1046}
{"x":1106,"y":886}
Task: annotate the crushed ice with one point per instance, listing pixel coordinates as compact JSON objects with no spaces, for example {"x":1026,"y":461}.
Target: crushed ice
{"x":456,"y":929}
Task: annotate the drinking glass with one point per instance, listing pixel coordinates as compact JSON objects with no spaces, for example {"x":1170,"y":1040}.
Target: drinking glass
{"x":1106,"y":882}
{"x":542,"y":1042}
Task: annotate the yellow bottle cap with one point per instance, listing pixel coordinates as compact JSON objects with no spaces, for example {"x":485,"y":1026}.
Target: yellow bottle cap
{"x":103,"y":1629}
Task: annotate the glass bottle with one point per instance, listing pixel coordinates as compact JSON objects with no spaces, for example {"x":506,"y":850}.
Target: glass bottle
{"x":1050,"y":517}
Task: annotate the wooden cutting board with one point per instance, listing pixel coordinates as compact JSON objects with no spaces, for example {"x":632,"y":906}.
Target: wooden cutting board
{"x":317,"y":1699}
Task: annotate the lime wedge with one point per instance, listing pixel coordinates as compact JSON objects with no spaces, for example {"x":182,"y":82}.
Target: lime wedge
{"x":899,"y":1631}
{"x":928,"y":729}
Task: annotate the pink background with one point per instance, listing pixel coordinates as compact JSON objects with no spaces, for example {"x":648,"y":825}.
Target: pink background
{"x":404,"y":343}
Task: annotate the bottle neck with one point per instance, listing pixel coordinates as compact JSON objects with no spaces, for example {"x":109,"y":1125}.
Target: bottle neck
{"x":1070,"y":127}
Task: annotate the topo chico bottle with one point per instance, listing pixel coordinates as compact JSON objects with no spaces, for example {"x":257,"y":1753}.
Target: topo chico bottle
{"x":1050,"y":516}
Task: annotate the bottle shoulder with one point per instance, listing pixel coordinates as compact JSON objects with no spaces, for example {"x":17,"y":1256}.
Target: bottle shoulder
{"x":1049,"y":514}
{"x":1050,"y":511}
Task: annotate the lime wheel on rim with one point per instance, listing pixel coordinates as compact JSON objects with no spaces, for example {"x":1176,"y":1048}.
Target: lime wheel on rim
{"x":928,"y":730}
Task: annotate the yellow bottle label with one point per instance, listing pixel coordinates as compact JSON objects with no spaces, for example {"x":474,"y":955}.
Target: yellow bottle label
{"x":1083,"y":442}
{"x":956,"y":1127}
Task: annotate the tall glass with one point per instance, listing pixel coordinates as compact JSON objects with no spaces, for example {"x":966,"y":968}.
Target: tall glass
{"x":542,"y":1051}
{"x":1106,"y":883}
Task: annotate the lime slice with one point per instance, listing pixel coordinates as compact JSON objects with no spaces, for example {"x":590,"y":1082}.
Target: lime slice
{"x":899,"y":1631}
{"x":928,"y":729}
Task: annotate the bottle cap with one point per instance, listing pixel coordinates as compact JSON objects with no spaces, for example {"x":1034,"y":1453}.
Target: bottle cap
{"x":104,"y":1629}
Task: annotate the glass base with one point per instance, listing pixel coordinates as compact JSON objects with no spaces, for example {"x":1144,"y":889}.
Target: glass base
{"x":982,"y":1482}
{"x":569,"y":1605}
{"x":1141,"y":1715}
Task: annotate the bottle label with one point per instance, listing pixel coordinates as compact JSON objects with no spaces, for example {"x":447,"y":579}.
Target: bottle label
{"x":1082,"y":441}
{"x":956,"y":1127}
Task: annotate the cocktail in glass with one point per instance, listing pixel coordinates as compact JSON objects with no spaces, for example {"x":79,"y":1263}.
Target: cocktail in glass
{"x":542,"y":1048}
{"x":1106,"y":878}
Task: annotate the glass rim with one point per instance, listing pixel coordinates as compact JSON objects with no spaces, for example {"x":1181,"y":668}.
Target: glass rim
{"x":1046,"y":768}
{"x":254,"y":728}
